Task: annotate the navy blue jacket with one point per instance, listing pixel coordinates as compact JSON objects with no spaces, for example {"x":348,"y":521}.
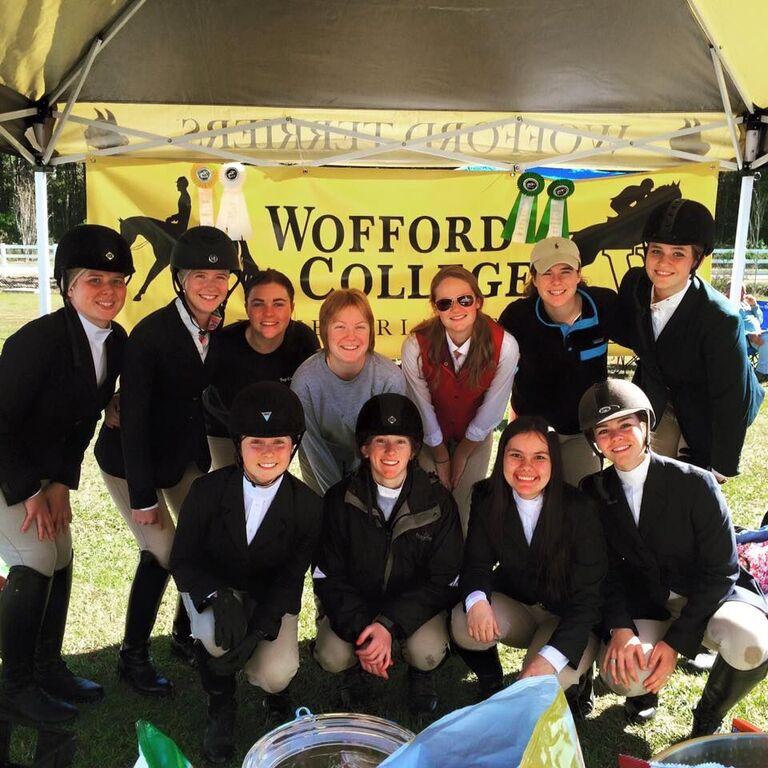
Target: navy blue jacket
{"x":699,"y":365}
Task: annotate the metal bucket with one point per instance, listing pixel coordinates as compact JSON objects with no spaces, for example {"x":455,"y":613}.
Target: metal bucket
{"x":739,"y":750}
{"x":328,"y":741}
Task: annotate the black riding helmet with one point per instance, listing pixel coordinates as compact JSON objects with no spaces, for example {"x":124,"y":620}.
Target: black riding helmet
{"x":613,"y":399}
{"x":266,"y":409}
{"x":681,"y":222}
{"x":204,"y":248}
{"x":91,"y":246}
{"x":389,"y":414}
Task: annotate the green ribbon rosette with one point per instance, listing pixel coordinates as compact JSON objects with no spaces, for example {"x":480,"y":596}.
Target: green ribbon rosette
{"x":521,"y":222}
{"x":554,"y":222}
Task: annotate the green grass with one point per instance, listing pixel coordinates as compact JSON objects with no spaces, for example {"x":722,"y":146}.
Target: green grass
{"x":105,"y":558}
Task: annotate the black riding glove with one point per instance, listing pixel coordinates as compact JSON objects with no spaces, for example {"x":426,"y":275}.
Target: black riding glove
{"x":230,"y":620}
{"x":237,"y":657}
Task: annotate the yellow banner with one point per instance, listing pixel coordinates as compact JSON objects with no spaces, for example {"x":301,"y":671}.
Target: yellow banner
{"x":424,"y":138}
{"x":383,"y":231}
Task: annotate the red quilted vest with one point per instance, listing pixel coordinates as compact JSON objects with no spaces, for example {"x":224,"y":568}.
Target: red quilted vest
{"x":455,"y":402}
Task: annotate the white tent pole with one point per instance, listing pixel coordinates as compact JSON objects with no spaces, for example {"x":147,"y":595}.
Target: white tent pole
{"x":742,"y":231}
{"x":106,"y":38}
{"x":41,"y":223}
{"x":86,"y":68}
{"x":20,"y":148}
{"x":761,"y":161}
{"x":750,"y":105}
{"x":726,"y":104}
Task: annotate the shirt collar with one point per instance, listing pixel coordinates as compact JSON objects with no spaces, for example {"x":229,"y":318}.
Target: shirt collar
{"x":388,"y":493}
{"x":528,"y":506}
{"x":264,"y":493}
{"x":636,"y":477}
{"x":95,"y":334}
{"x":462,"y":349}
{"x":673,"y":301}
{"x":186,"y":319}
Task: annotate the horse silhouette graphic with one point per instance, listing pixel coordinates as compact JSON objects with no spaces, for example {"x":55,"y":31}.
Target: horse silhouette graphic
{"x":161,"y":237}
{"x":624,"y":231}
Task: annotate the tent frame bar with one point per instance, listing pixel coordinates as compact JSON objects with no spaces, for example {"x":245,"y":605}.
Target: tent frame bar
{"x":61,"y":121}
{"x":106,"y":37}
{"x":17,"y":114}
{"x":382,"y":146}
{"x":718,"y":65}
{"x":18,"y":146}
{"x":748,"y":102}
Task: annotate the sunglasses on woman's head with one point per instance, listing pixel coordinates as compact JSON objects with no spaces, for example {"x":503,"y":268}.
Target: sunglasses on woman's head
{"x":443,"y":305}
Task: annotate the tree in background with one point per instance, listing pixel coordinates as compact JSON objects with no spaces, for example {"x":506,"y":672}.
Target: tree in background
{"x":728,"y":190}
{"x":66,"y":200}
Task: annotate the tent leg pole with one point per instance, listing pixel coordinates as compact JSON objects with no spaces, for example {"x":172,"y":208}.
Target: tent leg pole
{"x":41,"y":220}
{"x":742,"y":231}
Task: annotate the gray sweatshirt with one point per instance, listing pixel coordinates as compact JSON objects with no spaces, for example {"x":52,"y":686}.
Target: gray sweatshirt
{"x":331,"y":406}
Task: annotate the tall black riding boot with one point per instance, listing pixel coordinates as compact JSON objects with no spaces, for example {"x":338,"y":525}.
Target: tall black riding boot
{"x":51,"y":672}
{"x":581,"y":696}
{"x":422,"y":694}
{"x":134,"y":664}
{"x":182,"y":642}
{"x":22,"y":605}
{"x":487,"y":668}
{"x":641,"y":709}
{"x":725,"y":687}
{"x":219,"y":739}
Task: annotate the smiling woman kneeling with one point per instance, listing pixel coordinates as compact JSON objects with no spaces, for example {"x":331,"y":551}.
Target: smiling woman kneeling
{"x":533,"y":567}
{"x":390,"y":551}
{"x":245,"y":539}
{"x":674,"y":581}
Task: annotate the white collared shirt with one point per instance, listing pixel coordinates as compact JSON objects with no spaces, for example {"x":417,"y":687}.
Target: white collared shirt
{"x":201,"y":345}
{"x":386,"y":498}
{"x":662,"y":310}
{"x":458,"y":352}
{"x":494,"y":405}
{"x":632,"y":482}
{"x":529,"y":511}
{"x":96,"y":338}
{"x":256,"y":501}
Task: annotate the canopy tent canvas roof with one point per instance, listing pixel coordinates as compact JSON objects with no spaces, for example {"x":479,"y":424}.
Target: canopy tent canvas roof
{"x":507,"y":85}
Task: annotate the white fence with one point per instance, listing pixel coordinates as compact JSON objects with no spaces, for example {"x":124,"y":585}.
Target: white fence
{"x":21,"y":259}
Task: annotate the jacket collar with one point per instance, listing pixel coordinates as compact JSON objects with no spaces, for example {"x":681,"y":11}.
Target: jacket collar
{"x":233,"y":511}
{"x":680,"y":316}
{"x":418,"y":489}
{"x":81,"y":350}
{"x":652,"y":507}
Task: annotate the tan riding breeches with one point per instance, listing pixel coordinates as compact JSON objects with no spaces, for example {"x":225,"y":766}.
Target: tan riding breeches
{"x":272,"y":665}
{"x":579,"y":460}
{"x":737,"y":631}
{"x":157,"y":538}
{"x":522,"y":626}
{"x":17,"y":548}
{"x":476,"y":470}
{"x":667,"y":439}
{"x":424,"y":649}
{"x":222,"y":452}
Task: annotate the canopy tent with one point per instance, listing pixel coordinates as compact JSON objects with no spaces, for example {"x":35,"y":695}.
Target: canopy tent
{"x":509,"y":85}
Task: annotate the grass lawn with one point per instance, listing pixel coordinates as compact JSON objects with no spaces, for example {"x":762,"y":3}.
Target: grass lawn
{"x":106,"y":556}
